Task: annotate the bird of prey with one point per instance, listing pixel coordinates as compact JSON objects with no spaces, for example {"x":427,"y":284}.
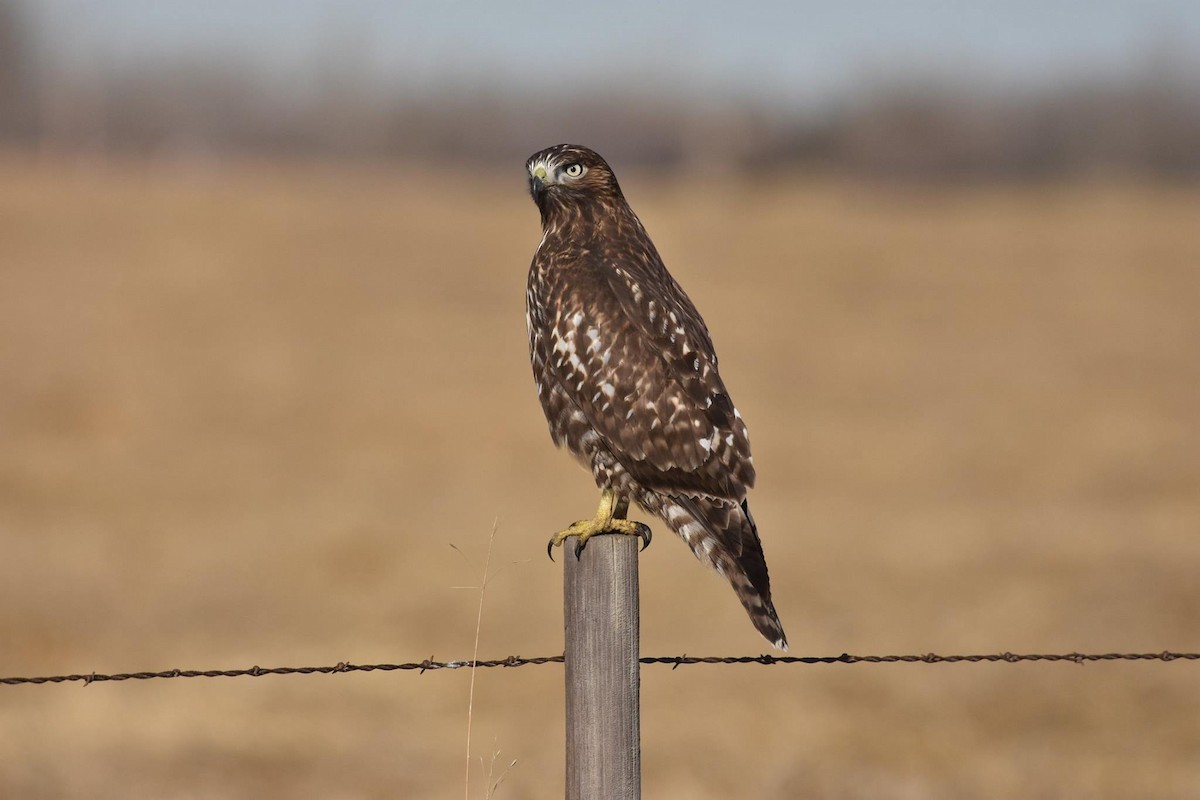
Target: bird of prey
{"x":627,"y":376}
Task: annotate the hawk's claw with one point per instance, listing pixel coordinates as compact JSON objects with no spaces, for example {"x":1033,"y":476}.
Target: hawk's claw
{"x":643,"y":533}
{"x":610,"y":518}
{"x":582,"y":534}
{"x":640,"y":530}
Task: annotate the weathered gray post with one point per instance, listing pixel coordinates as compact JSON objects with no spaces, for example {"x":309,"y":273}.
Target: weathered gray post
{"x":604,"y":749}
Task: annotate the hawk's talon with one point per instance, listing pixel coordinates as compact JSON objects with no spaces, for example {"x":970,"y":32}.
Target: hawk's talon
{"x":576,"y":529}
{"x":585,"y":529}
{"x":643,"y":533}
{"x":609,"y":519}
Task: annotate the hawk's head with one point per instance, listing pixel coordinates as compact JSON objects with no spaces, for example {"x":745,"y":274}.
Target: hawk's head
{"x":570,"y":175}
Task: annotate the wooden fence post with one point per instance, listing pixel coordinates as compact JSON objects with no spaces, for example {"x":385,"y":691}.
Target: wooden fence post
{"x":604,"y":750}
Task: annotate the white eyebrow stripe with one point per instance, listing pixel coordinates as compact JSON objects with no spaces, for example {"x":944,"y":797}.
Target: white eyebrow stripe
{"x":544,"y":163}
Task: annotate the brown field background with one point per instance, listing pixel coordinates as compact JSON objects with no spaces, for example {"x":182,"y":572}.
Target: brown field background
{"x":245,"y":411}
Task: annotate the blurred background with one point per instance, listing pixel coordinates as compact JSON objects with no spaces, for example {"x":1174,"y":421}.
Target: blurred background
{"x":928,"y":89}
{"x":263,"y":361}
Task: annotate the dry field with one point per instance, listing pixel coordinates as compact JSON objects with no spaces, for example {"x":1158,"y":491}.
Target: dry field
{"x":244,"y":413}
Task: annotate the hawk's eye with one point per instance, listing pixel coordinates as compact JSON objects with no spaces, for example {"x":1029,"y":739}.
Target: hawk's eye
{"x":573,"y":170}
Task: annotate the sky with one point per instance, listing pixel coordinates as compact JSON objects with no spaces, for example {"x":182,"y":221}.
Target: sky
{"x":799,"y":51}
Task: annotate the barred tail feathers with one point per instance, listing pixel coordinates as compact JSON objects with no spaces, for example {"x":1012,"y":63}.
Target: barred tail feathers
{"x":724,"y":536}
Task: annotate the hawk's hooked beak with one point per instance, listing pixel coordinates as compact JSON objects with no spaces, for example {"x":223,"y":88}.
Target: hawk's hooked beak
{"x":537,"y":183}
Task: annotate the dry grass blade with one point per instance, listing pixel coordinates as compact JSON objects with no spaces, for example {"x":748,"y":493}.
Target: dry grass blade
{"x":483,"y":581}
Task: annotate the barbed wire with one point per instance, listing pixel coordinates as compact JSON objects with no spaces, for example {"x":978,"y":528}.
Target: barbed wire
{"x":675,"y":662}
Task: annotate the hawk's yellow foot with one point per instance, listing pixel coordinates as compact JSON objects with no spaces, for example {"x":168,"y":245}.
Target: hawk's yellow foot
{"x":610,"y":518}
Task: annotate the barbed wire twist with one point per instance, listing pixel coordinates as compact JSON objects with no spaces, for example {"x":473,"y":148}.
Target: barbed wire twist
{"x":675,"y":661}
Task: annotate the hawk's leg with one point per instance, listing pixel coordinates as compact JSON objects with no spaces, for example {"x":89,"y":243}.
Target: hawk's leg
{"x":610,"y":518}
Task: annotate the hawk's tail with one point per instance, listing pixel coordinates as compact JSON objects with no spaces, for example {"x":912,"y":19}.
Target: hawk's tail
{"x":724,"y":536}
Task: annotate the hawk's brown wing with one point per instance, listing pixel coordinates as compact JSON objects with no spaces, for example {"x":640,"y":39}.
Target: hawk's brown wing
{"x":636,"y":358}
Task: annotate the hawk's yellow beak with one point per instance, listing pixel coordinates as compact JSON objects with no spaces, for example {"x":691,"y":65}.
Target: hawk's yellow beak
{"x":537,"y":183}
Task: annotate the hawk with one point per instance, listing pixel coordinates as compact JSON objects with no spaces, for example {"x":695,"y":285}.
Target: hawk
{"x":627,"y":376}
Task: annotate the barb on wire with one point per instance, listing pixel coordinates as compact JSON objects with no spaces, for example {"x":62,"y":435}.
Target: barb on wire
{"x":674,"y":661}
